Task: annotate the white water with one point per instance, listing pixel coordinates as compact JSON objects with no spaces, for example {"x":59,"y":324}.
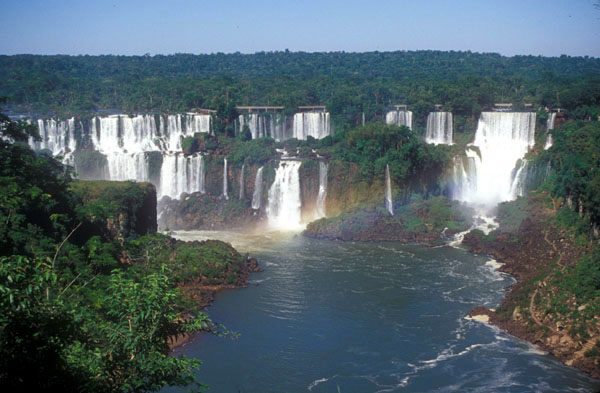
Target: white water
{"x":502,"y":139}
{"x":58,"y":136}
{"x":322,"y":196}
{"x":264,"y":125}
{"x":225,"y":179}
{"x":241,"y":195}
{"x":257,"y":194}
{"x":315,"y":124}
{"x":549,"y":126}
{"x":389,"y":205}
{"x":284,"y":203}
{"x":439,"y":128}
{"x":517,"y":187}
{"x":399,"y":118}
{"x":180,"y":174}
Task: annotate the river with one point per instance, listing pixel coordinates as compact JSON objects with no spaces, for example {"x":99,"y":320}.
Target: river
{"x":333,"y":317}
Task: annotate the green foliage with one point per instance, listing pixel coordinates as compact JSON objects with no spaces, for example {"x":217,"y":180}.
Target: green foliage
{"x":83,"y":313}
{"x":574,"y":157}
{"x":254,"y":152}
{"x":511,"y":214}
{"x":348,"y":83}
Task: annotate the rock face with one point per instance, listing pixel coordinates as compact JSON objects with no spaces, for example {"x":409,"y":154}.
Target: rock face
{"x":130,"y":207}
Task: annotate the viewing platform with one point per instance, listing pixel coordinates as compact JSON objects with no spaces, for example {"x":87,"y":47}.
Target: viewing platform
{"x":502,"y":107}
{"x":255,"y":109}
{"x":400,"y":107}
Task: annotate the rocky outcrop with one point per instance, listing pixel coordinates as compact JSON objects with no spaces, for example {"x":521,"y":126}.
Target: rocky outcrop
{"x":118,"y":209}
{"x":428,"y":222}
{"x":540,"y":256}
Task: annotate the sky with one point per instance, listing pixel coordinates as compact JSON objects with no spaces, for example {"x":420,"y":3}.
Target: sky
{"x":508,"y":27}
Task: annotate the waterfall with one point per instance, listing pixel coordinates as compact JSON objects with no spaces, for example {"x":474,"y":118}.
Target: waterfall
{"x":126,"y":142}
{"x":284,"y":203}
{"x":517,"y":187}
{"x":315,"y":124}
{"x":502,"y":139}
{"x":242,"y":182}
{"x":257,"y":194}
{"x":180,"y":174}
{"x":57,"y":136}
{"x":225,"y":179}
{"x":322,"y":196}
{"x":179,"y":126}
{"x":464,"y":176}
{"x":439,"y":128}
{"x":264,"y":125}
{"x":399,"y":118}
{"x":549,"y":126}
{"x":388,"y":191}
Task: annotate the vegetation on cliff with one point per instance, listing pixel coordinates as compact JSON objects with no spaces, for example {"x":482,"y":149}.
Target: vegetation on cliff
{"x":85,"y":301}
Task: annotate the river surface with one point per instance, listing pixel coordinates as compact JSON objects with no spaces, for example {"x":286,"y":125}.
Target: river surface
{"x":335,"y":317}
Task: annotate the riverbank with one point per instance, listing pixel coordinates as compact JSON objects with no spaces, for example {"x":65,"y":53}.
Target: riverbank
{"x":201,"y":295}
{"x":547,"y":305}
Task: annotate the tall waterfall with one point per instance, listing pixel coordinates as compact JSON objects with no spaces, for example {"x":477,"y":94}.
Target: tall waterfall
{"x":464,"y":176}
{"x":389,"y":205}
{"x":502,"y":139}
{"x":180,"y":174}
{"x":315,"y":124}
{"x":439,"y":128}
{"x":242,"y":184}
{"x":126,"y":142}
{"x":517,"y":188}
{"x":284,"y":203}
{"x":225,"y":179}
{"x":58,"y":136}
{"x":399,"y":118}
{"x":257,"y":194}
{"x":549,"y":126}
{"x":322,"y":196}
{"x":264,"y":124}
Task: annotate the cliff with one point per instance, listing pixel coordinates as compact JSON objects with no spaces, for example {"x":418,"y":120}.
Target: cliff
{"x":118,"y":209}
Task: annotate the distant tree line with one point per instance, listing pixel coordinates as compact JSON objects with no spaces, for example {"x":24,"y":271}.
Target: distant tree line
{"x":348,"y":83}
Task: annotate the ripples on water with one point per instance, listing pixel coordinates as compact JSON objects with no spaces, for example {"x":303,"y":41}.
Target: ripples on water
{"x":359,"y":317}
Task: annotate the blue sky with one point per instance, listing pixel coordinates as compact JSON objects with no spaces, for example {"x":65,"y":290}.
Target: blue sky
{"x":509,"y":27}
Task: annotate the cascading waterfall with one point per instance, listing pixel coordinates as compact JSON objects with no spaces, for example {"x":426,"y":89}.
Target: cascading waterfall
{"x":225,"y":179}
{"x":315,"y":124}
{"x":549,"y":126}
{"x":322,"y":196}
{"x":389,"y":205}
{"x":502,"y":139}
{"x":284,"y":203}
{"x":264,"y":125}
{"x":399,"y":118}
{"x":58,"y":136}
{"x":439,"y":128}
{"x":517,"y":187}
{"x":464,"y":176}
{"x":241,"y":196}
{"x":257,"y":194}
{"x":179,"y":126}
{"x":180,"y":174}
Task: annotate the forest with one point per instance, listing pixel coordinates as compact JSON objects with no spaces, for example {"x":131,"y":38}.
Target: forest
{"x":465,"y":83}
